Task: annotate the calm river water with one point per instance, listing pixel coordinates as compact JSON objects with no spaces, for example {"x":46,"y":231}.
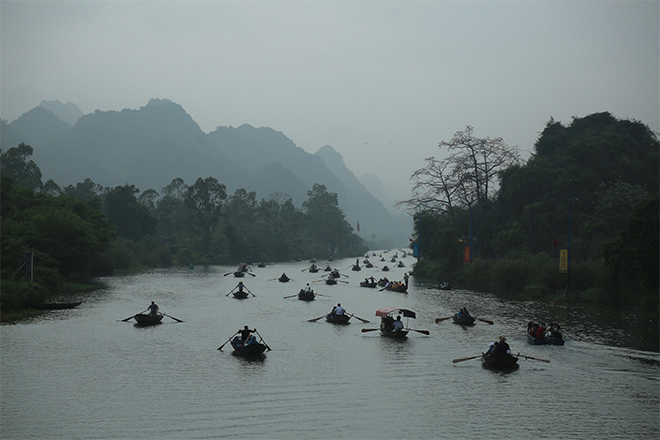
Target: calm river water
{"x":84,"y":374}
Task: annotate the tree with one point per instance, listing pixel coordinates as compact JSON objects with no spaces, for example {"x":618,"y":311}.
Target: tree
{"x":16,"y":163}
{"x":206,"y":198}
{"x":464,"y":178}
{"x":132,"y":219}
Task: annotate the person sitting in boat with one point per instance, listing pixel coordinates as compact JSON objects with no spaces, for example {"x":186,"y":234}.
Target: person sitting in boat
{"x":397,"y":325}
{"x":335,"y":274}
{"x":252,"y":340}
{"x":501,"y":346}
{"x":240,"y":286}
{"x":245,"y":333}
{"x":372,"y":279}
{"x":386,"y":323}
{"x":308,"y":289}
{"x":284,"y":277}
{"x":236,"y":342}
{"x":531,"y":328}
{"x":338,"y":311}
{"x":153,"y":309}
{"x":491,"y":348}
{"x":540,"y":331}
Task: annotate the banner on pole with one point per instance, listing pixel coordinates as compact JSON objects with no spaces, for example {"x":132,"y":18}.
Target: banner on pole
{"x":466,"y":257}
{"x":563,"y":260}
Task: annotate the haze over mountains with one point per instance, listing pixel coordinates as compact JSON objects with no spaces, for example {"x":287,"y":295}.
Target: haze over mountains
{"x":159,"y":142}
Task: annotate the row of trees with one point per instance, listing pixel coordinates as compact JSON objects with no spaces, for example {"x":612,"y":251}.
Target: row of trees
{"x":482,"y":194}
{"x":85,"y":230}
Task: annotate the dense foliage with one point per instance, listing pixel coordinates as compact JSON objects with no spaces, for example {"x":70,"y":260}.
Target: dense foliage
{"x":595,"y":172}
{"x":86,"y":230}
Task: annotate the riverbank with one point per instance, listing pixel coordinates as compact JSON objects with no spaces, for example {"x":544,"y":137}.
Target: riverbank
{"x":538,"y":278}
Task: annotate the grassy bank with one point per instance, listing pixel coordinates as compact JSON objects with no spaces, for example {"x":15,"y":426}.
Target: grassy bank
{"x":537,"y":277}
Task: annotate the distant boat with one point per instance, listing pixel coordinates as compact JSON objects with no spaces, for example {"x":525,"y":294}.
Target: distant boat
{"x":53,"y":306}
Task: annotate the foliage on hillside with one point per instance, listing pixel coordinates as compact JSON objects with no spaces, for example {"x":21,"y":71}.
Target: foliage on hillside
{"x":595,"y":171}
{"x":85,"y":230}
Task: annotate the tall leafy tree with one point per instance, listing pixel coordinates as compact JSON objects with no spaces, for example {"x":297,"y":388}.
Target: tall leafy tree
{"x":16,"y":163}
{"x":206,"y":198}
{"x":131,"y":218}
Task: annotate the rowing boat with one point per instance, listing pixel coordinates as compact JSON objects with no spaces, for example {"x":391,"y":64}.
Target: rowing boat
{"x":337,"y":319}
{"x":144,"y":319}
{"x":499,"y":360}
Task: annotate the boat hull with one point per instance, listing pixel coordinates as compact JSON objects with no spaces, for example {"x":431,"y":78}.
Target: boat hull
{"x":338,"y":319}
{"x":143,"y":319}
{"x":543,"y":341}
{"x":394,"y":335}
{"x":240,"y":295}
{"x":499,"y":360}
{"x":249,"y":350}
{"x":54,"y":306}
{"x":463,"y":320}
{"x":370,"y":285}
{"x":306,"y":296}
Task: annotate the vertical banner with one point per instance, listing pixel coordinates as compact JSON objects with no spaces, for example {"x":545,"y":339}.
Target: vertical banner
{"x":416,"y":250}
{"x":466,"y":257}
{"x":563,"y":260}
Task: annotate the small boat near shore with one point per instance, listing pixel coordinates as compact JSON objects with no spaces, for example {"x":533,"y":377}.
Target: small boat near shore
{"x":53,"y":306}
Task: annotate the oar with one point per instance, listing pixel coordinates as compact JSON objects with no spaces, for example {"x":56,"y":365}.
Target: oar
{"x":342,"y":281}
{"x":228,"y":273}
{"x":230,"y":292}
{"x":178,"y":320}
{"x":131,"y":317}
{"x":304,"y":269}
{"x":487,"y":321}
{"x":364,"y":330}
{"x":316,"y":319}
{"x":317,"y":281}
{"x":262,"y":339}
{"x":465,"y":359}
{"x":290,"y":296}
{"x":424,"y":332}
{"x":536,"y":359}
{"x":320,"y":294}
{"x":220,"y":348}
{"x":442,"y":319}
{"x":251,"y":274}
{"x":250,"y":292}
{"x":363,"y":320}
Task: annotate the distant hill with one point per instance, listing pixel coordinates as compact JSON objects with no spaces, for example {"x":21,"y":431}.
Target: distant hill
{"x":69,"y":112}
{"x":151,"y":146}
{"x":9,"y":137}
{"x":39,"y":126}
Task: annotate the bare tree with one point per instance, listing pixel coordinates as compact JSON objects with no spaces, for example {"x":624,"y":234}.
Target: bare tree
{"x":465,"y":177}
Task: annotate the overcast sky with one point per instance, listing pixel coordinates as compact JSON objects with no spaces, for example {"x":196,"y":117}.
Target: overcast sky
{"x":381,"y":82}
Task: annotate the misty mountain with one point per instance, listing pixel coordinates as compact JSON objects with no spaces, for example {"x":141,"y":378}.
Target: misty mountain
{"x":39,"y":126}
{"x":375,"y":186}
{"x":9,"y":137}
{"x":151,"y":146}
{"x":69,"y":112}
{"x":362,"y":205}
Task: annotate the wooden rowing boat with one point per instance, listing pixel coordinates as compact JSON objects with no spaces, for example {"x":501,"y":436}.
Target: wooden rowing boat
{"x":499,"y":360}
{"x":338,"y":319}
{"x":144,"y":319}
{"x":306,"y":296}
{"x":545,"y":341}
{"x":53,"y":306}
{"x":240,"y":295}
{"x":463,"y":320}
{"x":368,"y":284}
{"x":247,"y":350}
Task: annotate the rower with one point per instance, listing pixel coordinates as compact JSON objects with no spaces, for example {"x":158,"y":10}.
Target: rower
{"x":245,"y":333}
{"x":397,"y":325}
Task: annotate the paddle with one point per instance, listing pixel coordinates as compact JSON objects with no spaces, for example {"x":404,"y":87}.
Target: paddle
{"x":290,"y":296}
{"x":230,"y":292}
{"x":131,"y":317}
{"x":320,"y":294}
{"x":487,"y":321}
{"x":228,"y":273}
{"x":442,"y":319}
{"x":178,"y":320}
{"x":424,"y":332}
{"x":364,"y":330}
{"x":262,"y":340}
{"x":251,"y":274}
{"x":536,"y":359}
{"x":363,"y":320}
{"x":342,"y":281}
{"x":316,"y":319}
{"x":220,"y":348}
{"x":465,"y":359}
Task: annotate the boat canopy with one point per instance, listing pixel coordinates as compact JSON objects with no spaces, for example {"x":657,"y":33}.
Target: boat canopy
{"x":387,"y":310}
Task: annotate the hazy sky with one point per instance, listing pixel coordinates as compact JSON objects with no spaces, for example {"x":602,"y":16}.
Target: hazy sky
{"x":381,"y":82}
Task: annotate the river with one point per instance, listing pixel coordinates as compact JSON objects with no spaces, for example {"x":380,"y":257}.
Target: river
{"x":85,"y":374}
